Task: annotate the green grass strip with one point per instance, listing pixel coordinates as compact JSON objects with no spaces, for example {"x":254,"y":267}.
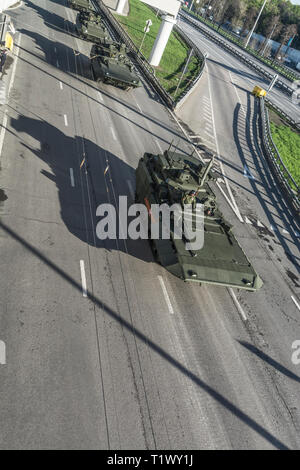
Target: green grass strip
{"x":287,"y":142}
{"x":175,"y":55}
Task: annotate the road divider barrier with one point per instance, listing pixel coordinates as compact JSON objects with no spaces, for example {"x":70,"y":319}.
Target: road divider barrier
{"x":242,"y":57}
{"x":289,"y":74}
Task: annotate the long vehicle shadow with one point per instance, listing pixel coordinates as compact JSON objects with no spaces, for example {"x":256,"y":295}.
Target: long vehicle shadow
{"x":51,"y":20}
{"x":113,"y":315}
{"x":96,"y":173}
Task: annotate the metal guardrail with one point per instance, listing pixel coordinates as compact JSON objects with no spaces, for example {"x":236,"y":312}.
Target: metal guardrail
{"x":285,"y":179}
{"x":200,"y":56}
{"x":242,"y":57}
{"x":292,"y":73}
{"x":141,"y":60}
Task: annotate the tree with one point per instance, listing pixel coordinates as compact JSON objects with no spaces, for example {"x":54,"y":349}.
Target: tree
{"x":231,"y":11}
{"x":272,"y":28}
{"x":287,"y":31}
{"x":249,"y":18}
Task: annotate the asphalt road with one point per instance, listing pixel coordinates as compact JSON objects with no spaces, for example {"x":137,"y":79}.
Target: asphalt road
{"x":250,"y":76}
{"x":144,"y":360}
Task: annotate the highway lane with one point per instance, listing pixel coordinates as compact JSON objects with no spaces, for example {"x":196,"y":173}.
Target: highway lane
{"x":184,"y":376}
{"x":250,"y":76}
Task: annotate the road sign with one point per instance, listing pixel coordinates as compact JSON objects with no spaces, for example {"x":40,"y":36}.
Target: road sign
{"x":147,"y":27}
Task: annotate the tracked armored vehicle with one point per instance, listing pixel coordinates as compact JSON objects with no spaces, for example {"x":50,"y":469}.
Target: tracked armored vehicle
{"x":172,"y":178}
{"x":81,"y":5}
{"x":90,"y":27}
{"x":111,"y":64}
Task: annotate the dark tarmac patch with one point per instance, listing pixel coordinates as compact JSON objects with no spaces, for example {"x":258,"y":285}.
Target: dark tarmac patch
{"x":45,"y":147}
{"x":3,"y":196}
{"x":293,"y":277}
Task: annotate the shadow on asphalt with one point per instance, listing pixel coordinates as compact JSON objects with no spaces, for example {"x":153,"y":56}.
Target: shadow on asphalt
{"x":245,"y":126}
{"x":242,"y":73}
{"x":218,"y":397}
{"x":77,"y":67}
{"x":93,"y":186}
{"x":264,"y":357}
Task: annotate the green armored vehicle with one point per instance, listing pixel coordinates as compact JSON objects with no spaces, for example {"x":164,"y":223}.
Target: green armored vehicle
{"x":89,"y":26}
{"x":81,"y":5}
{"x":111,"y":64}
{"x":172,"y":178}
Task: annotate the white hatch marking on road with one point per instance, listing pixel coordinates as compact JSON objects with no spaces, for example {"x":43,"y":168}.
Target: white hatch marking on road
{"x":237,"y":304}
{"x":66,"y":120}
{"x":113,"y":133}
{"x":259,"y":224}
{"x":297,"y":234}
{"x":166,"y":295}
{"x":83,"y":278}
{"x":231,"y":200}
{"x":208,"y":133}
{"x":273,"y":228}
{"x":285,"y":231}
{"x":61,"y":85}
{"x":130,"y":189}
{"x":295,"y":302}
{"x":72,"y":177}
{"x":248,"y":221}
{"x":100,"y":96}
{"x":247,"y":173}
{"x":139,"y":107}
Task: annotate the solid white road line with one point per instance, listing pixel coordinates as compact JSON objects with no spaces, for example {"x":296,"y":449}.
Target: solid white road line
{"x":72,"y":177}
{"x":113,"y":133}
{"x":166,"y":295}
{"x":295,"y":302}
{"x":83,"y":278}
{"x":139,"y":106}
{"x":66,"y":120}
{"x":237,"y":304}
{"x":248,"y":221}
{"x":61,"y":85}
{"x":158,"y":145}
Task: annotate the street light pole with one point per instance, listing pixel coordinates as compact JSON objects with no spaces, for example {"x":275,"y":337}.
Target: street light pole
{"x":255,"y":24}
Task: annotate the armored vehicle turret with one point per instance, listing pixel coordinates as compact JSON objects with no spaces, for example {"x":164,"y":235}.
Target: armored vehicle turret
{"x":172,"y":178}
{"x":81,"y":5}
{"x":89,"y":26}
{"x":111,"y":64}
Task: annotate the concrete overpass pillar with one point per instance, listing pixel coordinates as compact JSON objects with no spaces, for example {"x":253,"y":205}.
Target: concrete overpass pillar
{"x":120,"y":6}
{"x":161,"y":39}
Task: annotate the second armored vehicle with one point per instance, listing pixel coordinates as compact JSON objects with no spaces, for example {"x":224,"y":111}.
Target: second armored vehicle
{"x":173,"y":178}
{"x":81,"y":5}
{"x":89,"y":26}
{"x":111,"y":64}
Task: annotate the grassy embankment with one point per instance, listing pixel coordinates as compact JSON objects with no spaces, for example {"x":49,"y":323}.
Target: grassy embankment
{"x":227,"y":34}
{"x":171,"y":65}
{"x":287,"y":141}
